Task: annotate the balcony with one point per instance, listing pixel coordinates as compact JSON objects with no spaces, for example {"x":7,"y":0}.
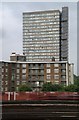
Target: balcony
{"x":41,"y":67}
{"x":63,"y":68}
{"x":33,"y":67}
{"x":33,"y":73}
{"x":35,"y":79}
{"x":63,"y":73}
{"x":36,"y":68}
{"x":36,"y":73}
{"x":41,"y":73}
{"x":36,"y":86}
{"x":32,"y":80}
{"x":63,"y":79}
{"x":63,"y":82}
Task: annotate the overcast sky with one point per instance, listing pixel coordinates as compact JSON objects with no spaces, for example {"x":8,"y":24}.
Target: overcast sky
{"x":12,"y":26}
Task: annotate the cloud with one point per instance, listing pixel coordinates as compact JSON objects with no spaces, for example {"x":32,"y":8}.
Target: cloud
{"x":0,"y":33}
{"x":10,"y":23}
{"x":11,"y":32}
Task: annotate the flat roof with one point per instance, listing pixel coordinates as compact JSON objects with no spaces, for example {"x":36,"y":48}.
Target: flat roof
{"x":35,"y":62}
{"x":39,"y":12}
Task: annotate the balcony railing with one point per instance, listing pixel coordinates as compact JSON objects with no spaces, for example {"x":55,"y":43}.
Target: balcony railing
{"x":34,"y":85}
{"x":36,"y":79}
{"x":36,"y":73}
{"x":63,"y":79}
{"x":63,"y":73}
{"x":36,"y":67}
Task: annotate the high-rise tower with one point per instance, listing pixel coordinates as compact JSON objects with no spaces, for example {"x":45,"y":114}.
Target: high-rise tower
{"x":45,"y":35}
{"x":64,"y":34}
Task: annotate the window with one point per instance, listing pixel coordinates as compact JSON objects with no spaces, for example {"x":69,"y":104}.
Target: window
{"x":31,"y":65}
{"x":37,"y":83}
{"x":31,"y":71}
{"x":63,"y":71}
{"x":18,"y":82}
{"x":36,"y":71}
{"x":6,"y":70}
{"x":36,"y":65}
{"x":18,"y":65}
{"x":6,"y":88}
{"x":41,"y":71}
{"x":48,"y":65}
{"x":6,"y":64}
{"x":63,"y":76}
{"x":48,"y":81}
{"x":24,"y":65}
{"x":6,"y":82}
{"x":56,"y":82}
{"x":48,"y":77}
{"x":2,"y":76}
{"x":23,"y":76}
{"x":23,"y":70}
{"x":2,"y":69}
{"x":41,"y":83}
{"x":63,"y":65}
{"x":56,"y":65}
{"x":56,"y":76}
{"x":23,"y":82}
{"x":41,"y":78}
{"x":6,"y":77}
{"x":17,"y":88}
{"x":17,"y":76}
{"x":48,"y":71}
{"x":2,"y":89}
{"x":41,"y":65}
{"x":18,"y":70}
{"x":13,"y":77}
{"x":56,"y":70}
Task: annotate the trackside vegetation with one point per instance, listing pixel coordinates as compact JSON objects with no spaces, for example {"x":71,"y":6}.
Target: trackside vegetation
{"x":48,"y":86}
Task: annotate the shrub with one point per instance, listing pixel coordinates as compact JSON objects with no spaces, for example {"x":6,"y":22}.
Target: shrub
{"x":25,"y":88}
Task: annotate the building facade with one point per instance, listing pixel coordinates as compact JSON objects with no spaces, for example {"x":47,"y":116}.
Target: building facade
{"x":36,"y":74}
{"x":45,"y":35}
{"x":17,"y":57}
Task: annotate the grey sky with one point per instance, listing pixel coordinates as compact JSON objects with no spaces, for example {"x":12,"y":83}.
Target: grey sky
{"x":12,"y":26}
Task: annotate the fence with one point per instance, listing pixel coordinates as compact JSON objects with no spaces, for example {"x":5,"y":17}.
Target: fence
{"x":19,"y":96}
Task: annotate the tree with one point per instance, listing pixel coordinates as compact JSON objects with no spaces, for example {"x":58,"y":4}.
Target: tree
{"x":51,"y":87}
{"x":47,"y":87}
{"x":71,"y":88}
{"x":76,"y":80}
{"x":57,"y":87}
{"x":25,"y":87}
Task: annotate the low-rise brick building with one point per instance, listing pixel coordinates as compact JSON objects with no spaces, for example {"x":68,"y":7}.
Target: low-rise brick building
{"x":15,"y":73}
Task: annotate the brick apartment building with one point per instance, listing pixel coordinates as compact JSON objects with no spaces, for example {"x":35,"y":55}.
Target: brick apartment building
{"x":16,"y":73}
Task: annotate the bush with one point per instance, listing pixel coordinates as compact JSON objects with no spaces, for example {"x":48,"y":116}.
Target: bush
{"x":72,"y":88}
{"x":25,"y":88}
{"x":47,"y":87}
{"x":52,"y":87}
{"x":56,"y":87}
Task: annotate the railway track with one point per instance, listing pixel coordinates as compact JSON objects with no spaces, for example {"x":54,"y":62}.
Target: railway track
{"x":45,"y":111}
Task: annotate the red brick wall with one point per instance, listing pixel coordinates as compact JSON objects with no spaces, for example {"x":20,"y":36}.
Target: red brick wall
{"x":40,"y":96}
